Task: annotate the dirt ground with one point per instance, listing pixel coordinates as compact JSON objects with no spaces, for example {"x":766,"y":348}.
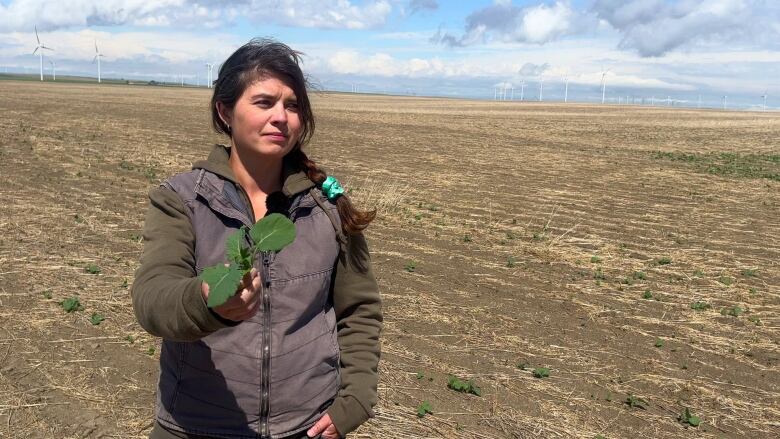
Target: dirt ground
{"x":510,"y":237}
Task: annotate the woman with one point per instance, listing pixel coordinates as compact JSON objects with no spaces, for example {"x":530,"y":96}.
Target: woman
{"x":294,"y":352}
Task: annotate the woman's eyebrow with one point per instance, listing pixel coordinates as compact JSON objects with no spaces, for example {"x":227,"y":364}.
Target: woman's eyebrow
{"x":262,"y":96}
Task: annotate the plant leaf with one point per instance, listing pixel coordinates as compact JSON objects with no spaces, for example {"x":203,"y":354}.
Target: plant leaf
{"x":222,"y":281}
{"x":272,"y":233}
{"x":694,"y":421}
{"x":236,"y":250}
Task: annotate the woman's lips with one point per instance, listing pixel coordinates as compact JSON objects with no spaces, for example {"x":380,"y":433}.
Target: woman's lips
{"x":279,"y":137}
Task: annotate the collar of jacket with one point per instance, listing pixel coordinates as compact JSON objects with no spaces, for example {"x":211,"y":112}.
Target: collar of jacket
{"x":295,"y":181}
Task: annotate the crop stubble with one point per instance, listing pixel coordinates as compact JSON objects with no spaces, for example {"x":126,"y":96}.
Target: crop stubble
{"x":549,"y":185}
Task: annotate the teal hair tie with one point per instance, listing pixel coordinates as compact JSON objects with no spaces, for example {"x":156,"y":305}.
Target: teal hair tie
{"x":331,"y":188}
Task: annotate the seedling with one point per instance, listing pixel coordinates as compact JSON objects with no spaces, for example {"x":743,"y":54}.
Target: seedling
{"x":459,"y":385}
{"x":663,"y":261}
{"x":124,"y":284}
{"x":71,"y":304}
{"x":599,"y":275}
{"x":698,"y":273}
{"x":150,"y":351}
{"x":541,"y":372}
{"x":523,"y":366}
{"x":640,"y":275}
{"x":725,"y":280}
{"x":96,"y":318}
{"x":659,"y":343}
{"x":418,"y":217}
{"x":755,"y":320}
{"x":750,"y":272}
{"x":420,"y":375}
{"x":92,"y":269}
{"x":424,"y":408}
{"x":595,"y":259}
{"x":272,"y":233}
{"x":647,"y":295}
{"x":700,"y":306}
{"x":510,"y":261}
{"x":688,"y":418}
{"x":130,"y":339}
{"x":410,"y":266}
{"x":46,"y":294}
{"x":633,"y":401}
{"x":734,"y":311}
{"x":467,"y":238}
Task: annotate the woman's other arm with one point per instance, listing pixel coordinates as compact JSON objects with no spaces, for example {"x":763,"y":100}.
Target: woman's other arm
{"x":358,"y":308}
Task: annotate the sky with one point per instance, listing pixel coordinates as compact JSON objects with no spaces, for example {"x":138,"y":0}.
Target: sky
{"x":668,"y":52}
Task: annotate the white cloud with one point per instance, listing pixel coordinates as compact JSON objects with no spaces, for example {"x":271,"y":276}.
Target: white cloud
{"x":22,"y":15}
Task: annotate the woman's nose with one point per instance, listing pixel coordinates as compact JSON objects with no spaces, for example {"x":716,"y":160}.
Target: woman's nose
{"x":279,"y":114}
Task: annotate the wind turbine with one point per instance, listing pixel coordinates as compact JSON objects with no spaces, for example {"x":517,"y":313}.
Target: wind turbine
{"x":603,"y":85}
{"x":541,"y":87}
{"x":209,"y":68}
{"x":522,"y":90}
{"x":41,"y":47}
{"x":764,"y":96}
{"x":725,"y":99}
{"x":53,"y":70}
{"x":97,"y":57}
{"x":566,"y":90}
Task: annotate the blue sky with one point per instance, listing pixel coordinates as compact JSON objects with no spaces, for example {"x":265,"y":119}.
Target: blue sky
{"x":644,"y":49}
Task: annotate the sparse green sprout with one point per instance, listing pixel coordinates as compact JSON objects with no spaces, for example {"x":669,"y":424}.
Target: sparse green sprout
{"x":663,"y":261}
{"x":459,"y":385}
{"x":420,"y":375}
{"x":424,"y":408}
{"x":700,"y":306}
{"x":633,"y":401}
{"x":410,"y":266}
{"x":510,"y":235}
{"x":688,"y":418}
{"x":71,"y":304}
{"x":510,"y":261}
{"x":124,"y":284}
{"x":608,"y":398}
{"x":150,"y":351}
{"x":640,"y":275}
{"x":272,"y":233}
{"x":595,"y":259}
{"x":523,"y":365}
{"x":541,"y":372}
{"x":599,"y":275}
{"x":752,"y":291}
{"x":92,"y":269}
{"x":418,"y":217}
{"x":725,"y":280}
{"x":734,"y":311}
{"x":96,"y":318}
{"x":647,"y":295}
{"x":130,"y":339}
{"x":750,"y":272}
{"x":467,"y":238}
{"x":46,"y":294}
{"x":698,"y":273}
{"x":659,"y":343}
{"x":755,"y":320}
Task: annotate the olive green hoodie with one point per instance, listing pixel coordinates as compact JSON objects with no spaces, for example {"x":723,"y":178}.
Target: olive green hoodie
{"x":168,"y":302}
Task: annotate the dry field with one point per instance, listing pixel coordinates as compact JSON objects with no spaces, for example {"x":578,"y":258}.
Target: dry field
{"x":511,"y":237}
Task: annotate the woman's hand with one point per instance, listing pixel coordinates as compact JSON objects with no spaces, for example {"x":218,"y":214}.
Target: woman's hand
{"x":245,"y":303}
{"x":324,"y":426}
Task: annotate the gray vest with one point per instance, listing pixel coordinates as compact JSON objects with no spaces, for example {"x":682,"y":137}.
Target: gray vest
{"x":275,"y":374}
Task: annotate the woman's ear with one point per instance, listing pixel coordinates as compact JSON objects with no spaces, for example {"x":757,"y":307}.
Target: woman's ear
{"x":224,"y":113}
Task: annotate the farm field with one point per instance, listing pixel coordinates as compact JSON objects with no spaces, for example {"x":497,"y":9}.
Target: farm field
{"x":631,"y":254}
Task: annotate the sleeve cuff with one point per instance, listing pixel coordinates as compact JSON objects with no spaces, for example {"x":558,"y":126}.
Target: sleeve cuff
{"x":347,"y":414}
{"x":203,"y":317}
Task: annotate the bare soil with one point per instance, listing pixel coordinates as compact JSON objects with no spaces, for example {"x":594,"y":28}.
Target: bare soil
{"x":574,"y":238}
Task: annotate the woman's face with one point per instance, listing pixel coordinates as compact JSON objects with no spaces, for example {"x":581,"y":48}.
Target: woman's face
{"x":265,"y":118}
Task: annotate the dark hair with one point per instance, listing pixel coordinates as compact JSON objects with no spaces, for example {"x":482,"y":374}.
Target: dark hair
{"x":260,"y":58}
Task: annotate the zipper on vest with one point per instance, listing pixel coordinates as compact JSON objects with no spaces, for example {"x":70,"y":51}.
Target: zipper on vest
{"x":265,"y":378}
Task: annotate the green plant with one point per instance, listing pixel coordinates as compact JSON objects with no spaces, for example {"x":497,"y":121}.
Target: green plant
{"x":150,"y":351}
{"x":659,"y":343}
{"x":410,"y":266}
{"x":633,"y":401}
{"x":418,"y":217}
{"x":510,"y":261}
{"x":688,"y":418}
{"x":130,"y":339}
{"x":124,"y":284}
{"x":734,"y":311}
{"x":96,"y":318}
{"x":663,"y":261}
{"x":71,"y":304}
{"x":750,"y":272}
{"x":467,"y":238}
{"x":541,"y":372}
{"x":46,"y":294}
{"x":755,"y":320}
{"x":640,"y":275}
{"x":523,"y":365}
{"x":272,"y":233}
{"x":459,"y":385}
{"x":698,"y":273}
{"x":725,"y":280}
{"x":599,"y":275}
{"x":92,"y":269}
{"x":700,"y":306}
{"x":424,"y":408}
{"x":595,"y":259}
{"x":647,"y":295}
